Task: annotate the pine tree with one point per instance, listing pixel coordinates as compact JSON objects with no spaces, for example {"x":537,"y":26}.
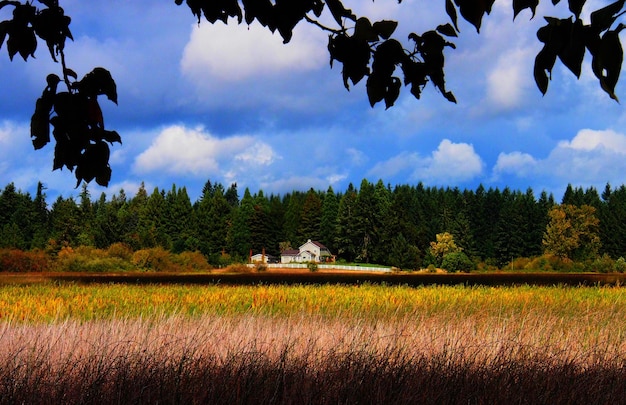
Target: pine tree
{"x":346,"y":235}
{"x":330,"y":209}
{"x":239,"y":241}
{"x":310,"y":217}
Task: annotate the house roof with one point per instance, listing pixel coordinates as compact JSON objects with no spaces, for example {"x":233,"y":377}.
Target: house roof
{"x":290,"y":252}
{"x":316,"y":243}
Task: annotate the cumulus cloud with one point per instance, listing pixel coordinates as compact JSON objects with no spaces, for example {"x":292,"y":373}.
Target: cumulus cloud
{"x":181,"y":150}
{"x":515,"y":162}
{"x":450,"y":163}
{"x":590,"y":157}
{"x":249,"y":52}
{"x":588,"y":140}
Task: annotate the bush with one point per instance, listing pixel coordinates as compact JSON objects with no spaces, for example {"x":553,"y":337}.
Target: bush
{"x":191,"y":261}
{"x":457,"y":261}
{"x":153,"y":259}
{"x":620,"y":265}
{"x":121,"y":251}
{"x":312,"y":266}
{"x":239,"y":268}
{"x":260,"y":267}
{"x":18,"y":261}
{"x":603,"y":264}
{"x":89,"y":259}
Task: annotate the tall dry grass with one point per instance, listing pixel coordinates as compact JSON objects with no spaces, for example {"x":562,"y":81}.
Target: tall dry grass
{"x":526,"y":358}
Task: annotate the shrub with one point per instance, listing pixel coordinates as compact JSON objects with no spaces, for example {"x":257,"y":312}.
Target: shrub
{"x":121,"y":251}
{"x":18,"y":261}
{"x":603,"y":264}
{"x":194,"y":261}
{"x":312,"y":266}
{"x":457,"y":261}
{"x":89,"y":259}
{"x":260,"y":267}
{"x":239,"y":268}
{"x":153,"y":259}
{"x":620,"y":265}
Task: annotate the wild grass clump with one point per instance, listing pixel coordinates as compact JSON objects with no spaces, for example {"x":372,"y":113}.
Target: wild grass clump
{"x":253,"y":359}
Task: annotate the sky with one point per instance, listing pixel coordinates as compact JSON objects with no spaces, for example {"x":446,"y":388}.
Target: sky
{"x":232,"y":103}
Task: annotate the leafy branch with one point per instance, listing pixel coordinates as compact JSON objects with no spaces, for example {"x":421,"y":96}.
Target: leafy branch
{"x":74,"y":114}
{"x":371,"y":52}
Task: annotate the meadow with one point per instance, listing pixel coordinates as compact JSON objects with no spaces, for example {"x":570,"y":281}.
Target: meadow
{"x":325,"y":344}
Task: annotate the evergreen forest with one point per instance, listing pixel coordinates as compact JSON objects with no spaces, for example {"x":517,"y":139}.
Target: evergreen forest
{"x":374,"y":223}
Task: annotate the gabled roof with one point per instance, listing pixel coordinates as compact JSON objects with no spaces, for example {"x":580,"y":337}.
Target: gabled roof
{"x":290,"y":252}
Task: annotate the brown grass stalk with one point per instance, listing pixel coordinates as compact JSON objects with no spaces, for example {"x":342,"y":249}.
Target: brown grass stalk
{"x":253,"y":359}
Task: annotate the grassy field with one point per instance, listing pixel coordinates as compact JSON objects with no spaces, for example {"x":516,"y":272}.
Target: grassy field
{"x":113,"y":343}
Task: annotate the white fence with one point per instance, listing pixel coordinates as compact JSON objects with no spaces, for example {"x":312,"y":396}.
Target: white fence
{"x":323,"y":266}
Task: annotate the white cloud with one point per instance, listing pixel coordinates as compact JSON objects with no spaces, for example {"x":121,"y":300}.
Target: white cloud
{"x":249,"y":52}
{"x":509,"y":80}
{"x":451,"y":162}
{"x":591,"y":157}
{"x":515,"y":162}
{"x":589,"y":140}
{"x":258,"y":154}
{"x":181,"y":150}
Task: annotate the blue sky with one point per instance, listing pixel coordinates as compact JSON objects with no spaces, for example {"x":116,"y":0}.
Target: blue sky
{"x":233,"y":104}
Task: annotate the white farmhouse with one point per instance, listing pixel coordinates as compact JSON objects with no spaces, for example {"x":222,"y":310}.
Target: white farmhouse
{"x":311,"y":251}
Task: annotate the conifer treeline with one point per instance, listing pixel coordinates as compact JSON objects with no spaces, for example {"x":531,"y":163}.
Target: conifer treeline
{"x":375,"y":223}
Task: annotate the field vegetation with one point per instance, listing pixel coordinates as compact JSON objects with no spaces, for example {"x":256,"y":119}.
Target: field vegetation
{"x":112,"y":343}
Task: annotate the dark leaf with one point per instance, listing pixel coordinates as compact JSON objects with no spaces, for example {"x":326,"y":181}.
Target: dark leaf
{"x":450,"y":97}
{"x":385,"y":28}
{"x":447,"y":30}
{"x":261,"y":10}
{"x":576,"y":7}
{"x":376,"y":89}
{"x":111,"y":136}
{"x":40,"y":126}
{"x":474,"y":10}
{"x":392,"y":92}
{"x":354,"y":53}
{"x":363,"y":30}
{"x":451,"y":11}
{"x":519,"y":5}
{"x":339,"y":11}
{"x":603,"y":18}
{"x":386,"y":57}
{"x":607,"y":61}
{"x":573,"y":50}
{"x":414,"y":74}
{"x":96,"y":82}
{"x":544,"y":62}
{"x":94,"y":113}
{"x":104,"y":177}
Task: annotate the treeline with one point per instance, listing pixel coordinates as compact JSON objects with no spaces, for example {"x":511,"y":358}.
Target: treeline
{"x":375,"y":223}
